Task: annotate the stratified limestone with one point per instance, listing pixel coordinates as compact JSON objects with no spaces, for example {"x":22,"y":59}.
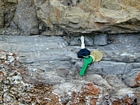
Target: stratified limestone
{"x":53,"y":61}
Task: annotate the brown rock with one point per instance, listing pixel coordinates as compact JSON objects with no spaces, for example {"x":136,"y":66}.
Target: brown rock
{"x":91,"y":15}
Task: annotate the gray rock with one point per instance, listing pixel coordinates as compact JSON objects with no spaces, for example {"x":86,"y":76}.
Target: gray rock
{"x":89,"y":40}
{"x":9,"y":11}
{"x":132,"y":78}
{"x":106,"y":67}
{"x":25,"y":18}
{"x":49,"y":60}
{"x":100,"y":39}
{"x":128,"y":40}
{"x":75,"y":41}
{"x":54,"y":61}
{"x":99,"y":81}
{"x":130,"y":67}
{"x":138,"y":42}
{"x":115,"y":81}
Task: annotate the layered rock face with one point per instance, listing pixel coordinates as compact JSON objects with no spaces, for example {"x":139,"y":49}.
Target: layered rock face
{"x":57,"y":17}
{"x":27,"y":61}
{"x":40,"y":70}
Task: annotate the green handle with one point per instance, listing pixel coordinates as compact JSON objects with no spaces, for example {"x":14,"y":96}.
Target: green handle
{"x":87,"y":61}
{"x":83,"y":70}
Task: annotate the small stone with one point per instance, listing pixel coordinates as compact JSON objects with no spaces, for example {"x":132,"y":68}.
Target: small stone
{"x":132,"y":79}
{"x":2,"y":55}
{"x":100,"y":39}
{"x":98,"y":80}
{"x":11,"y":58}
{"x":114,"y":81}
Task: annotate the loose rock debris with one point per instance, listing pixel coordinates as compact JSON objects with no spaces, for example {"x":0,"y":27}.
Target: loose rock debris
{"x":15,"y":91}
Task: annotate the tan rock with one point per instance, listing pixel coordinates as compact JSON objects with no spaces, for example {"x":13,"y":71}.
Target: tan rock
{"x":85,"y":16}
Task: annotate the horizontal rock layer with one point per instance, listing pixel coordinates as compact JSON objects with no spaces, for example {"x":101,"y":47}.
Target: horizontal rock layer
{"x":54,"y":59}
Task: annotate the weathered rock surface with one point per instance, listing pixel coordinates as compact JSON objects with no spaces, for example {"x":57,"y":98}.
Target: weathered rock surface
{"x":45,"y":70}
{"x":25,"y":17}
{"x":85,"y":16}
{"x":59,"y":17}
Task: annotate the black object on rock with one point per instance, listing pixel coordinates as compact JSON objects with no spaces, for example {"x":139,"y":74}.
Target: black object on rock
{"x":83,"y":52}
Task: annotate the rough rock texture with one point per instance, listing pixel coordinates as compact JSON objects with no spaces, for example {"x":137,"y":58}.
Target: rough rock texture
{"x":85,"y":16}
{"x":53,"y":61}
{"x":1,"y":13}
{"x":25,"y":17}
{"x":58,"y":17}
{"x":133,"y":77}
{"x":39,"y":70}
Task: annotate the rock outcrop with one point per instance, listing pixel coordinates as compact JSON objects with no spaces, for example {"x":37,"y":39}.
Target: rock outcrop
{"x":53,"y":61}
{"x":58,"y":17}
{"x":85,"y":16}
{"x":45,"y":70}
